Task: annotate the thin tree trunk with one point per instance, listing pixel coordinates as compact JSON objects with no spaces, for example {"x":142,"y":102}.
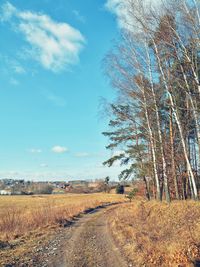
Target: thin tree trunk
{"x":158,"y":195}
{"x":194,"y":109}
{"x":172,"y":156}
{"x":185,"y":53}
{"x":166,"y":185}
{"x":146,"y":188}
{"x":151,"y":138}
{"x":174,"y":112}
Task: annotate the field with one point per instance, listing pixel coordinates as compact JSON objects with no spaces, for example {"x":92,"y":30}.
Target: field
{"x":20,"y":214}
{"x":155,"y":234}
{"x":26,"y":220}
{"x":148,"y":233}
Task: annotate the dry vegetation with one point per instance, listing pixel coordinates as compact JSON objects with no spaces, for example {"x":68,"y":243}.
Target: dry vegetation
{"x":27,"y":222}
{"x":154,"y":234}
{"x":21,"y":214}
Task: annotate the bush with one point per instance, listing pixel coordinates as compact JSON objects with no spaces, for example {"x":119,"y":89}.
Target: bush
{"x":120,"y":189}
{"x":132,"y":194}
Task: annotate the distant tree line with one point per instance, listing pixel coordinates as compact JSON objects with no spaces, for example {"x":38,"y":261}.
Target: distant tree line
{"x":155,"y":121}
{"x":26,"y":187}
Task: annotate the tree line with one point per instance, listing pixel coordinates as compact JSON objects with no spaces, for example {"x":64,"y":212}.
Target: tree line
{"x":155,"y":69}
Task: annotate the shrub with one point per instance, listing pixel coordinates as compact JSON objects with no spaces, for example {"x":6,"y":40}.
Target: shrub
{"x":120,"y":189}
{"x":132,"y":194}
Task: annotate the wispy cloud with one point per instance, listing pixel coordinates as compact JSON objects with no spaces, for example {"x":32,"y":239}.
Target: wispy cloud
{"x":17,"y":67}
{"x":88,"y":154}
{"x":82,"y":154}
{"x":43,"y":165}
{"x":121,"y":9}
{"x":59,"y":149}
{"x":78,"y":16}
{"x":14,"y":82}
{"x":55,"y":45}
{"x":12,"y":65}
{"x":94,"y":171}
{"x":8,"y":10}
{"x":54,"y":99}
{"x":35,"y":150}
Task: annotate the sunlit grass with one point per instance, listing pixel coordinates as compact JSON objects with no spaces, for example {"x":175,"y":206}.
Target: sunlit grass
{"x":158,"y":234}
{"x":21,"y":214}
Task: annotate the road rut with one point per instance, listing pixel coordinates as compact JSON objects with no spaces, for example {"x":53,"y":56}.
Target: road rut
{"x":89,"y":244}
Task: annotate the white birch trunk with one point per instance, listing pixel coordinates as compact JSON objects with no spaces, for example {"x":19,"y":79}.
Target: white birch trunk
{"x":164,"y":165}
{"x":177,"y":121}
{"x":158,"y":195}
{"x":194,"y":110}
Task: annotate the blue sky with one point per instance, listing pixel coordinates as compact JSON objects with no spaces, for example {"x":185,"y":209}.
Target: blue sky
{"x":51,"y":85}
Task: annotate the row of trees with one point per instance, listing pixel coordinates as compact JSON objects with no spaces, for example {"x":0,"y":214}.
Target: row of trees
{"x":155,"y":119}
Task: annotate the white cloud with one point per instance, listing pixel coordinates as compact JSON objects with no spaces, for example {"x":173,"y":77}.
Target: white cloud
{"x":121,"y":9}
{"x":59,"y":149}
{"x":35,"y":150}
{"x":8,"y":10}
{"x":55,"y":45}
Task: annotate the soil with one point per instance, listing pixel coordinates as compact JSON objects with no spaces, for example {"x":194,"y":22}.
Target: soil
{"x":90,"y":244}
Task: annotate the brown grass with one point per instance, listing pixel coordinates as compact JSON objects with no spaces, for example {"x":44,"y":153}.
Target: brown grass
{"x":21,"y":214}
{"x":154,"y":234}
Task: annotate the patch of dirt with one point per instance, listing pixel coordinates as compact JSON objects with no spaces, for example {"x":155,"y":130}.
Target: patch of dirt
{"x":91,"y":244}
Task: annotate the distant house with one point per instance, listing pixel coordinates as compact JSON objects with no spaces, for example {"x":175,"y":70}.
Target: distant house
{"x":5,"y":192}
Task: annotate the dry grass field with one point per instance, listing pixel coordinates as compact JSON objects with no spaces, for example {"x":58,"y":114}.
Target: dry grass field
{"x":154,"y":234}
{"x":21,"y":214}
{"x":29,"y":221}
{"x":149,"y":233}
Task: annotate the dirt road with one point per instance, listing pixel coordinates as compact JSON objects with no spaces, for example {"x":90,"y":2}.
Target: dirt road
{"x":88,"y":243}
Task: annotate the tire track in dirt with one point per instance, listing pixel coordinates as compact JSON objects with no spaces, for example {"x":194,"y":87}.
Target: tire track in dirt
{"x":89,"y":244}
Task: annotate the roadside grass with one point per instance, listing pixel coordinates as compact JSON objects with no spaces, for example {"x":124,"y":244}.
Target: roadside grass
{"x":27,"y":222}
{"x":158,"y":234}
{"x":21,"y":214}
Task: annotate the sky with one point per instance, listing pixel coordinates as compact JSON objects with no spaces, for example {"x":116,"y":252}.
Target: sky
{"x":51,"y":88}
